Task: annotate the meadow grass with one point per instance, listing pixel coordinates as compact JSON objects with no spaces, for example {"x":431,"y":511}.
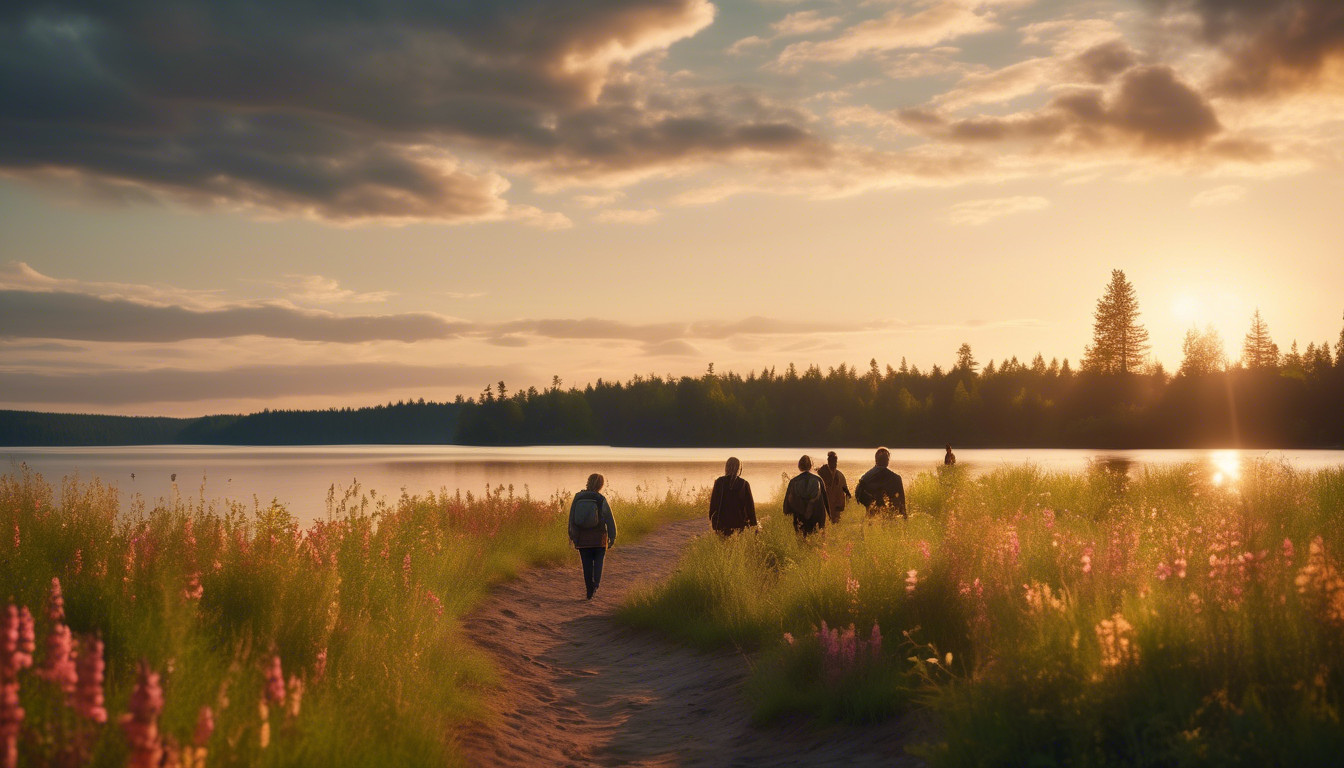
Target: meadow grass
{"x":1047,"y":619}
{"x":361,"y":610}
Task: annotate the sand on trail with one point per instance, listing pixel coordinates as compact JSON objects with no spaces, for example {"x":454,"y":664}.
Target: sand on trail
{"x":580,"y":689}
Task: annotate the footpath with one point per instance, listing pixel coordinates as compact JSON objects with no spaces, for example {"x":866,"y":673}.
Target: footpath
{"x":580,"y":689}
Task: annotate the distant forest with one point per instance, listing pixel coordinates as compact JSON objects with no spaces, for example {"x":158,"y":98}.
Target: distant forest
{"x":1116,"y":399}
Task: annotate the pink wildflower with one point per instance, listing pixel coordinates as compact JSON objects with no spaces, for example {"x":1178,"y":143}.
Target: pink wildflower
{"x":275,"y":682}
{"x":1163,"y":571}
{"x":1288,"y":551}
{"x":435,"y":602}
{"x":58,"y":665}
{"x":320,"y":667}
{"x":925,"y":550}
{"x":141,"y":723}
{"x":406,"y":570}
{"x":88,"y":701}
{"x":193,"y":590}
{"x":1179,"y":565}
{"x":27,"y":640}
{"x":1086,"y":560}
{"x":875,"y":641}
{"x":911,"y":580}
{"x":12,"y":659}
{"x":788,"y":638}
{"x":205,"y":726}
{"x":78,"y":564}
{"x":848,"y":646}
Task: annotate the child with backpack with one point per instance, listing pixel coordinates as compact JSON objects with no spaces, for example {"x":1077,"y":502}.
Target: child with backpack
{"x":805,"y":499}
{"x":592,"y":530}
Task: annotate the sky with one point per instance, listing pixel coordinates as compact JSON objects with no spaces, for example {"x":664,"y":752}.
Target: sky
{"x":216,"y":207}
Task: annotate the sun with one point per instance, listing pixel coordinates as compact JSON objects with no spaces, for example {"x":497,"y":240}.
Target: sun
{"x":1188,"y":308}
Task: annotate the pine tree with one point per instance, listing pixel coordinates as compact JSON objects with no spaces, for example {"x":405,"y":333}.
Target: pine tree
{"x":1259,"y":351}
{"x":966,"y":360}
{"x":1119,"y":342}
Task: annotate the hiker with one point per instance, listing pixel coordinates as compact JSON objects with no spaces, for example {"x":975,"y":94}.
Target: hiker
{"x":592,"y":530}
{"x":880,"y":487}
{"x":731,"y":508}
{"x":948,"y":458}
{"x":837,"y":488}
{"x":805,"y":499}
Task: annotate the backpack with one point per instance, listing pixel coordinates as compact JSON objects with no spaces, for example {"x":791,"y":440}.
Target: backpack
{"x":586,"y":511}
{"x":804,"y":498}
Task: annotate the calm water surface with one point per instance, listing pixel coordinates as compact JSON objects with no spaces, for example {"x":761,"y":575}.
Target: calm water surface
{"x":301,"y":476}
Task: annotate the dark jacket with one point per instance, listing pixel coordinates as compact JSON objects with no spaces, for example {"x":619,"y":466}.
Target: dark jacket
{"x":798,"y":486}
{"x":604,"y":534}
{"x":837,"y":488}
{"x":881,"y":487}
{"x":731,"y":507}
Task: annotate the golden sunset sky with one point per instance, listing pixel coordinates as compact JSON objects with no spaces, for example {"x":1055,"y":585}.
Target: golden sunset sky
{"x":216,"y":207}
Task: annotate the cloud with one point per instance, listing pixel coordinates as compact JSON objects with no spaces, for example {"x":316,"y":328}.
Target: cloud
{"x":364,"y":112}
{"x":1270,"y":46}
{"x":1150,"y":108}
{"x":316,"y":289}
{"x":673,"y":348}
{"x":628,"y":216}
{"x":120,"y":387}
{"x":79,"y":316}
{"x":804,"y":23}
{"x":943,"y":21}
{"x":1224,"y":195}
{"x":978,"y":212}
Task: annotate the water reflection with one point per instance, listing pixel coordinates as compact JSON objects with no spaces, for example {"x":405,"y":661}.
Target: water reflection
{"x":1226,"y":467}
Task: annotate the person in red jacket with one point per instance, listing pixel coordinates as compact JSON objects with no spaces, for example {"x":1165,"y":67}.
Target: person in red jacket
{"x":731,"y":508}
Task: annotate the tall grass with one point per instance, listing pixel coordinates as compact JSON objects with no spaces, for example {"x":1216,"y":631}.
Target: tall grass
{"x":338,"y":644}
{"x":1049,"y":619}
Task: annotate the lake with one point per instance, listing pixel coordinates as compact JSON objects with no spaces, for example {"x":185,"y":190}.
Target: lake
{"x":300,"y":476}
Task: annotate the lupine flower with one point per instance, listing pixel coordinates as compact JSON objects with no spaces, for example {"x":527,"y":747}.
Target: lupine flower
{"x":13,"y":658}
{"x":58,"y":664}
{"x":88,"y":701}
{"x":911,"y":580}
{"x":23,"y":658}
{"x":141,"y":723}
{"x":275,"y":682}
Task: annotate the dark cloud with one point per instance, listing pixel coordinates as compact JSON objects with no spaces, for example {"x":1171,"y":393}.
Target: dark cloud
{"x":245,"y":382}
{"x":1270,"y":45}
{"x":1151,"y":108}
{"x":62,"y":315}
{"x":1101,"y":63}
{"x":329,"y":108}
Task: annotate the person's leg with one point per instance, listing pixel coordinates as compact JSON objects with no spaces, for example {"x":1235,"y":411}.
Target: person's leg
{"x":586,"y":555}
{"x":599,"y":553}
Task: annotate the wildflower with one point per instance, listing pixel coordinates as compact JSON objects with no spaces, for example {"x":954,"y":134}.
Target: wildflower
{"x":1040,"y":598}
{"x":947,"y":659}
{"x":1115,"y":636}
{"x":205,"y":726}
{"x":911,"y":580}
{"x":58,"y":664}
{"x":1288,"y":551}
{"x":1320,"y":579}
{"x":1086,"y":560}
{"x":13,"y":658}
{"x":406,"y":570}
{"x":295,"y":696}
{"x":78,"y":564}
{"x":435,"y":602}
{"x":88,"y":700}
{"x":193,"y":590}
{"x":925,"y":550}
{"x":1163,"y":571}
{"x":788,"y":638}
{"x":141,"y":723}
{"x":320,"y":667}
{"x":264,"y":735}
{"x":1179,"y":564}
{"x":275,"y":682}
{"x":23,"y":658}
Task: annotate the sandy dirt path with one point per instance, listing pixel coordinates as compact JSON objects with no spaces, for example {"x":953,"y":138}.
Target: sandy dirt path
{"x":580,"y":689}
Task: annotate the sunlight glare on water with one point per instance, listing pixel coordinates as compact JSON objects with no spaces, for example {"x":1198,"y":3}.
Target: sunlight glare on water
{"x":1226,"y":467}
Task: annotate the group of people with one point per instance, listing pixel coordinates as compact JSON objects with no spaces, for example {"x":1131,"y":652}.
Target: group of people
{"x":812,"y":500}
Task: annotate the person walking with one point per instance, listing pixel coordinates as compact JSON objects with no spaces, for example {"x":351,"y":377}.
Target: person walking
{"x":837,"y":488}
{"x":731,"y":508}
{"x":805,"y":499}
{"x":592,"y":530}
{"x":880,"y":488}
{"x":949,"y":458}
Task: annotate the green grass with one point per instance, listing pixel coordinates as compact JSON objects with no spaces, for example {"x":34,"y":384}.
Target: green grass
{"x":1073,"y":637}
{"x":380,"y":586}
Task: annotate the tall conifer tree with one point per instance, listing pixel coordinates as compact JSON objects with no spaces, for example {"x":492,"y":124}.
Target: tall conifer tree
{"x":1260,"y":351}
{"x":1119,"y":341}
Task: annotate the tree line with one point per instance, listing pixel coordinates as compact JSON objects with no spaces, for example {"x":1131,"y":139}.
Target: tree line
{"x":1118,"y":397}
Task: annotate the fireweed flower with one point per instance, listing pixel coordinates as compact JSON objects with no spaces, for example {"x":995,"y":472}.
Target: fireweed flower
{"x":88,"y":700}
{"x":58,"y":665}
{"x":141,"y":723}
{"x":1115,"y":638}
{"x":788,"y":638}
{"x":1321,"y":580}
{"x":320,"y":667}
{"x":911,"y":580}
{"x":925,"y":550}
{"x":1288,"y":551}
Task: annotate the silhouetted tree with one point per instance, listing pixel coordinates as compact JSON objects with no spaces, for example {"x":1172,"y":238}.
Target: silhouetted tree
{"x":1259,"y":352}
{"x":1203,"y":353}
{"x":966,"y":360}
{"x":1119,"y":342}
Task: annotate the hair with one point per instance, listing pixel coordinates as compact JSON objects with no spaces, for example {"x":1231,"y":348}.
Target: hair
{"x":732,"y":467}
{"x":882,"y":457}
{"x":831,"y":455}
{"x":805,"y":463}
{"x":595,"y":482}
